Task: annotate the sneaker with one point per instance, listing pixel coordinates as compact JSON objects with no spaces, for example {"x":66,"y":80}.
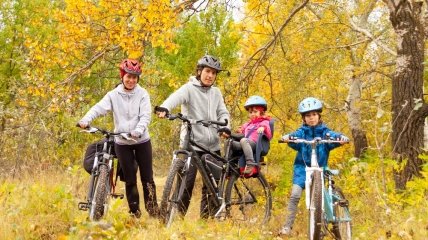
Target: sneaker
{"x":248,"y":169}
{"x":285,"y":231}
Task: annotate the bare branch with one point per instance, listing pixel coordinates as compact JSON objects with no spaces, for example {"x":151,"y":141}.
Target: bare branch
{"x":98,"y":55}
{"x":371,"y":37}
{"x":260,"y":55}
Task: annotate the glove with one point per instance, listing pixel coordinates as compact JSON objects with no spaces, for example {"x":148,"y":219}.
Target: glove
{"x":344,"y":138}
{"x":224,"y":130}
{"x":136,"y":133}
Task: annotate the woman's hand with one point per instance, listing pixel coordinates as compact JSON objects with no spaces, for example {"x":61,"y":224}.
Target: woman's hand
{"x":260,"y":130}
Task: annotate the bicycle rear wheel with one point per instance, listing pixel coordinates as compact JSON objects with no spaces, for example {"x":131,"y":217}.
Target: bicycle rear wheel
{"x":175,"y":181}
{"x":248,"y":199}
{"x":342,"y":228}
{"x":99,"y":200}
{"x":315,"y":208}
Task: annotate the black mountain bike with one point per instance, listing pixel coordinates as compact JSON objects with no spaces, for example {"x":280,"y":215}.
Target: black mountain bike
{"x":231,"y":194}
{"x":101,"y":184}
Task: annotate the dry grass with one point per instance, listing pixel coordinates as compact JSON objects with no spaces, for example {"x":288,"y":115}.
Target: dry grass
{"x":43,"y":205}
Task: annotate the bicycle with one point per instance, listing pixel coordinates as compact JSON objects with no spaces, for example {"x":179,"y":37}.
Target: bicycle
{"x":325,"y":207}
{"x":231,"y":194}
{"x":101,"y":184}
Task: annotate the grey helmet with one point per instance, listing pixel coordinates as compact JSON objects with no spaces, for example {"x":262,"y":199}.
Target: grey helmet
{"x":209,"y":61}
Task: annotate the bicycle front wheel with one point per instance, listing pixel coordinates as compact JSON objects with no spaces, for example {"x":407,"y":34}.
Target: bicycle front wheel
{"x":248,"y":200}
{"x":315,"y":208}
{"x":99,"y":200}
{"x":342,"y":225}
{"x":170,"y":197}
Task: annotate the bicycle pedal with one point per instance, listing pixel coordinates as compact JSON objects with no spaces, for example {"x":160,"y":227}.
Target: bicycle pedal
{"x":117,"y":195}
{"x":84,"y":206}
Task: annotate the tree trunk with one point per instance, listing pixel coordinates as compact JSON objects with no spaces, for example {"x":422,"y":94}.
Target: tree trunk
{"x":353,"y":111}
{"x":407,"y":86}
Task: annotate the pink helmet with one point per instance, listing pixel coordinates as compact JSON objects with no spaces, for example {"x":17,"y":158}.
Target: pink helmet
{"x":129,"y":66}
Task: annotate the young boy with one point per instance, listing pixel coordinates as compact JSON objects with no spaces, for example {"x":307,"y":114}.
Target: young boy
{"x":310,"y":109}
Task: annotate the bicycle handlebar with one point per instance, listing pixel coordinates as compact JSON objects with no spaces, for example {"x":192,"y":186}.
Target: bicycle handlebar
{"x":205,"y":123}
{"x":314,"y":141}
{"x":92,"y":129}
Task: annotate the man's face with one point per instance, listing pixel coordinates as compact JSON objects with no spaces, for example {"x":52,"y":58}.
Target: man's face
{"x":208,"y":76}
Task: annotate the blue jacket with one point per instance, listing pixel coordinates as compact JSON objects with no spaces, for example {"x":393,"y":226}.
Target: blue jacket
{"x":303,"y":157}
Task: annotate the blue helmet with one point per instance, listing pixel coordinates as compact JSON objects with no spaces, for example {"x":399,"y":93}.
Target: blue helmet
{"x":310,"y":104}
{"x":255,"y":101}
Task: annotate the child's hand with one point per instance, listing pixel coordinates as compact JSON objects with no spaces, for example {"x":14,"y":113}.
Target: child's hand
{"x":343,"y":139}
{"x":285,"y":138}
{"x":260,"y":130}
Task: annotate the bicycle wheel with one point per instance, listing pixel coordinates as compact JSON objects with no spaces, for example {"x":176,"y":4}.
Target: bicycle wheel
{"x":315,"y":208}
{"x":342,"y":228}
{"x":170,"y":197}
{"x":99,"y":200}
{"x":248,"y":199}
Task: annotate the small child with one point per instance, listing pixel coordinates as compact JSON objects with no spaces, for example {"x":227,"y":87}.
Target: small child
{"x":258,"y":124}
{"x":310,"y":109}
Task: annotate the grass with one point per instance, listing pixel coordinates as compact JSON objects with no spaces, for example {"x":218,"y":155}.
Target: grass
{"x":43,"y":205}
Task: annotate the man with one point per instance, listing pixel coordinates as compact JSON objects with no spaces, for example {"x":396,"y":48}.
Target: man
{"x":199,"y":100}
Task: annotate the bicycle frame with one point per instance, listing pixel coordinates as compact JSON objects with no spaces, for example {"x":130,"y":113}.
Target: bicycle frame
{"x":103,"y":158}
{"x":213,"y":188}
{"x":328,"y":198}
{"x":210,"y":182}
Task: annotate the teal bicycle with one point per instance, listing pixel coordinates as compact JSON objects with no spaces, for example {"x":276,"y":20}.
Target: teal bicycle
{"x":325,"y":201}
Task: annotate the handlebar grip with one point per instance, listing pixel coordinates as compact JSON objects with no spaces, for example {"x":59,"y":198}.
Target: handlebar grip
{"x":281,"y":141}
{"x":220,"y":123}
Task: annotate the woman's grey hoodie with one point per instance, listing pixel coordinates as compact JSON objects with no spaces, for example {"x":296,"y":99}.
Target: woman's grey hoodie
{"x":131,"y":111}
{"x":199,"y":103}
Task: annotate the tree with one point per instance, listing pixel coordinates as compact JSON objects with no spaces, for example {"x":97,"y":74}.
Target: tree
{"x":408,"y":105}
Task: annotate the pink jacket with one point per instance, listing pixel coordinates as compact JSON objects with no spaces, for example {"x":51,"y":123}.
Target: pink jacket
{"x":251,"y":127}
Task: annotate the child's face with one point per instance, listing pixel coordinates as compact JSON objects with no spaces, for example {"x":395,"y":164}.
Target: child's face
{"x":312,"y":118}
{"x":254,"y":113}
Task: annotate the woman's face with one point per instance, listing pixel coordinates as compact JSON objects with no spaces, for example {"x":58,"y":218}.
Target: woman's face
{"x":130,"y":81}
{"x":208,"y":76}
{"x":312,"y":118}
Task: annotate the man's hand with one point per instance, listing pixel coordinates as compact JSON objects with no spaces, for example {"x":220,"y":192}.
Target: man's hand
{"x":224,"y":132}
{"x":161,"y":111}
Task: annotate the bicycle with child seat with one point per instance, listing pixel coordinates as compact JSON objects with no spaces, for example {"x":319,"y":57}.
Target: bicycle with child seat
{"x":325,"y":201}
{"x":101,"y":184}
{"x":230,"y":194}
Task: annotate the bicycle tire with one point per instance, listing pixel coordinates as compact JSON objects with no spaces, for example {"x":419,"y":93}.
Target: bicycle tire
{"x":99,"y":200}
{"x":315,"y":208}
{"x":342,"y":227}
{"x":170,"y":198}
{"x":248,"y":200}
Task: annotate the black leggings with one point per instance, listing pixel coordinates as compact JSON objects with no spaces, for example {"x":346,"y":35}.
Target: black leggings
{"x":132,"y":157}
